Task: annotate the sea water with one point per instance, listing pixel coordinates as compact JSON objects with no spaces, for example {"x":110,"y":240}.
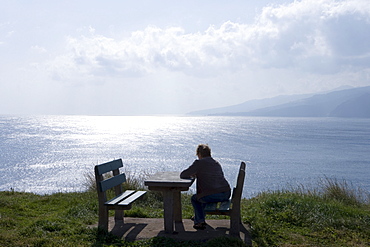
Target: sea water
{"x":48,"y":154}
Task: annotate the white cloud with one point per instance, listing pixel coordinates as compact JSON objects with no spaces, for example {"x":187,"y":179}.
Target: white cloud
{"x":314,"y":33}
{"x":317,"y":36}
{"x":167,"y":60}
{"x":38,"y":49}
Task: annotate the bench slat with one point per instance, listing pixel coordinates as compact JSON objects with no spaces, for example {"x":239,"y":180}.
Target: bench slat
{"x":213,"y":207}
{"x":109,"y":166}
{"x":225,"y":206}
{"x":132,"y":198}
{"x":119,"y":198}
{"x":113,"y":181}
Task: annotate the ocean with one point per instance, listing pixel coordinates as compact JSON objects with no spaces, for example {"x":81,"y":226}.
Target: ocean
{"x":49,"y":154}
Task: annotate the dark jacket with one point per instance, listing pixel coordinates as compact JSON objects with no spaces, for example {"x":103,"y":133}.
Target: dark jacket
{"x":209,"y":175}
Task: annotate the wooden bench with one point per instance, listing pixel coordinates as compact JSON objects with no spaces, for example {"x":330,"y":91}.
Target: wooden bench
{"x":121,"y":201}
{"x":232,"y":206}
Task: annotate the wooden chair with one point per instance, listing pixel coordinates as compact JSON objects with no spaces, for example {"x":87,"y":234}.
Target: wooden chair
{"x":231,"y":207}
{"x":121,"y":201}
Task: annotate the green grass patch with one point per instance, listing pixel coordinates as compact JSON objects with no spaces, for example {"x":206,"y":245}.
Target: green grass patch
{"x":331,"y":215}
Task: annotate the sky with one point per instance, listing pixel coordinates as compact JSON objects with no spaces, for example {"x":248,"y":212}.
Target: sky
{"x":92,"y":57}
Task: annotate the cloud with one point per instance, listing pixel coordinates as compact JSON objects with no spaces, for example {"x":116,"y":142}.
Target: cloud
{"x":315,"y":36}
{"x":38,"y":49}
{"x":5,"y":32}
{"x":312,"y":34}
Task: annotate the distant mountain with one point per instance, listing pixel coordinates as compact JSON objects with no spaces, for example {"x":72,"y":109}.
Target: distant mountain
{"x":251,"y":105}
{"x":358,"y":107}
{"x":354,"y":102}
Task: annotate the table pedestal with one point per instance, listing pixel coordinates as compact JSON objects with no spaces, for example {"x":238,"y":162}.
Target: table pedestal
{"x":171,"y":207}
{"x":171,"y":186}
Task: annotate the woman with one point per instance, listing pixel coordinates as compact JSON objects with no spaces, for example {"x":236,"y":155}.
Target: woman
{"x":211,"y":184}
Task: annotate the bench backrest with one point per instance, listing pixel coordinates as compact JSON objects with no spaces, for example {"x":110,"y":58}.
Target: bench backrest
{"x":238,"y":190}
{"x":115,"y":181}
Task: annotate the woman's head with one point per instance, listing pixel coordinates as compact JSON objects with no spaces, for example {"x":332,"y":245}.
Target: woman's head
{"x":203,"y":151}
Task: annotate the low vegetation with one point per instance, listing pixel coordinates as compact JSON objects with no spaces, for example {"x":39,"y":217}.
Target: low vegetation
{"x":333,"y":214}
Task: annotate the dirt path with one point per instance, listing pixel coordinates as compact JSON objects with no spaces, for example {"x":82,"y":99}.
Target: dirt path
{"x":145,"y":228}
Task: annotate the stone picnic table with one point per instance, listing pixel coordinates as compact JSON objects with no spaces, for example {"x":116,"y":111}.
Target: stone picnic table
{"x":171,"y":185}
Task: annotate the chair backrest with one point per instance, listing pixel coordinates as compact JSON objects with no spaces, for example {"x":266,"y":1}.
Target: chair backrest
{"x":238,"y":190}
{"x":115,"y":181}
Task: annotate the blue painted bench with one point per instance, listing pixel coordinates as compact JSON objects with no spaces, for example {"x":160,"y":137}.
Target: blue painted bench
{"x":232,"y":206}
{"x":122,"y":200}
{"x":222,"y":208}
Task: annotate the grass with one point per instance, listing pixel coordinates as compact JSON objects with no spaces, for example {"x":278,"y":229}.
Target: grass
{"x":50,"y":220}
{"x":334,"y":214}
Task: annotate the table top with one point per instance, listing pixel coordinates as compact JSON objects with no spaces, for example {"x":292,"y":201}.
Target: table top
{"x":168,"y":179}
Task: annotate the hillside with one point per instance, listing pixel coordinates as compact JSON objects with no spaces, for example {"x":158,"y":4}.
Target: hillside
{"x":347,"y":103}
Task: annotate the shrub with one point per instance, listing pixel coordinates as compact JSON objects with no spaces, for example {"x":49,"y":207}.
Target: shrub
{"x":342,"y":191}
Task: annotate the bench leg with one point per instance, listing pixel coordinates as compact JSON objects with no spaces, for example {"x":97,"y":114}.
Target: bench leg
{"x":118,"y":215}
{"x":235,"y":228}
{"x":235,"y":221}
{"x":103,"y":218}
